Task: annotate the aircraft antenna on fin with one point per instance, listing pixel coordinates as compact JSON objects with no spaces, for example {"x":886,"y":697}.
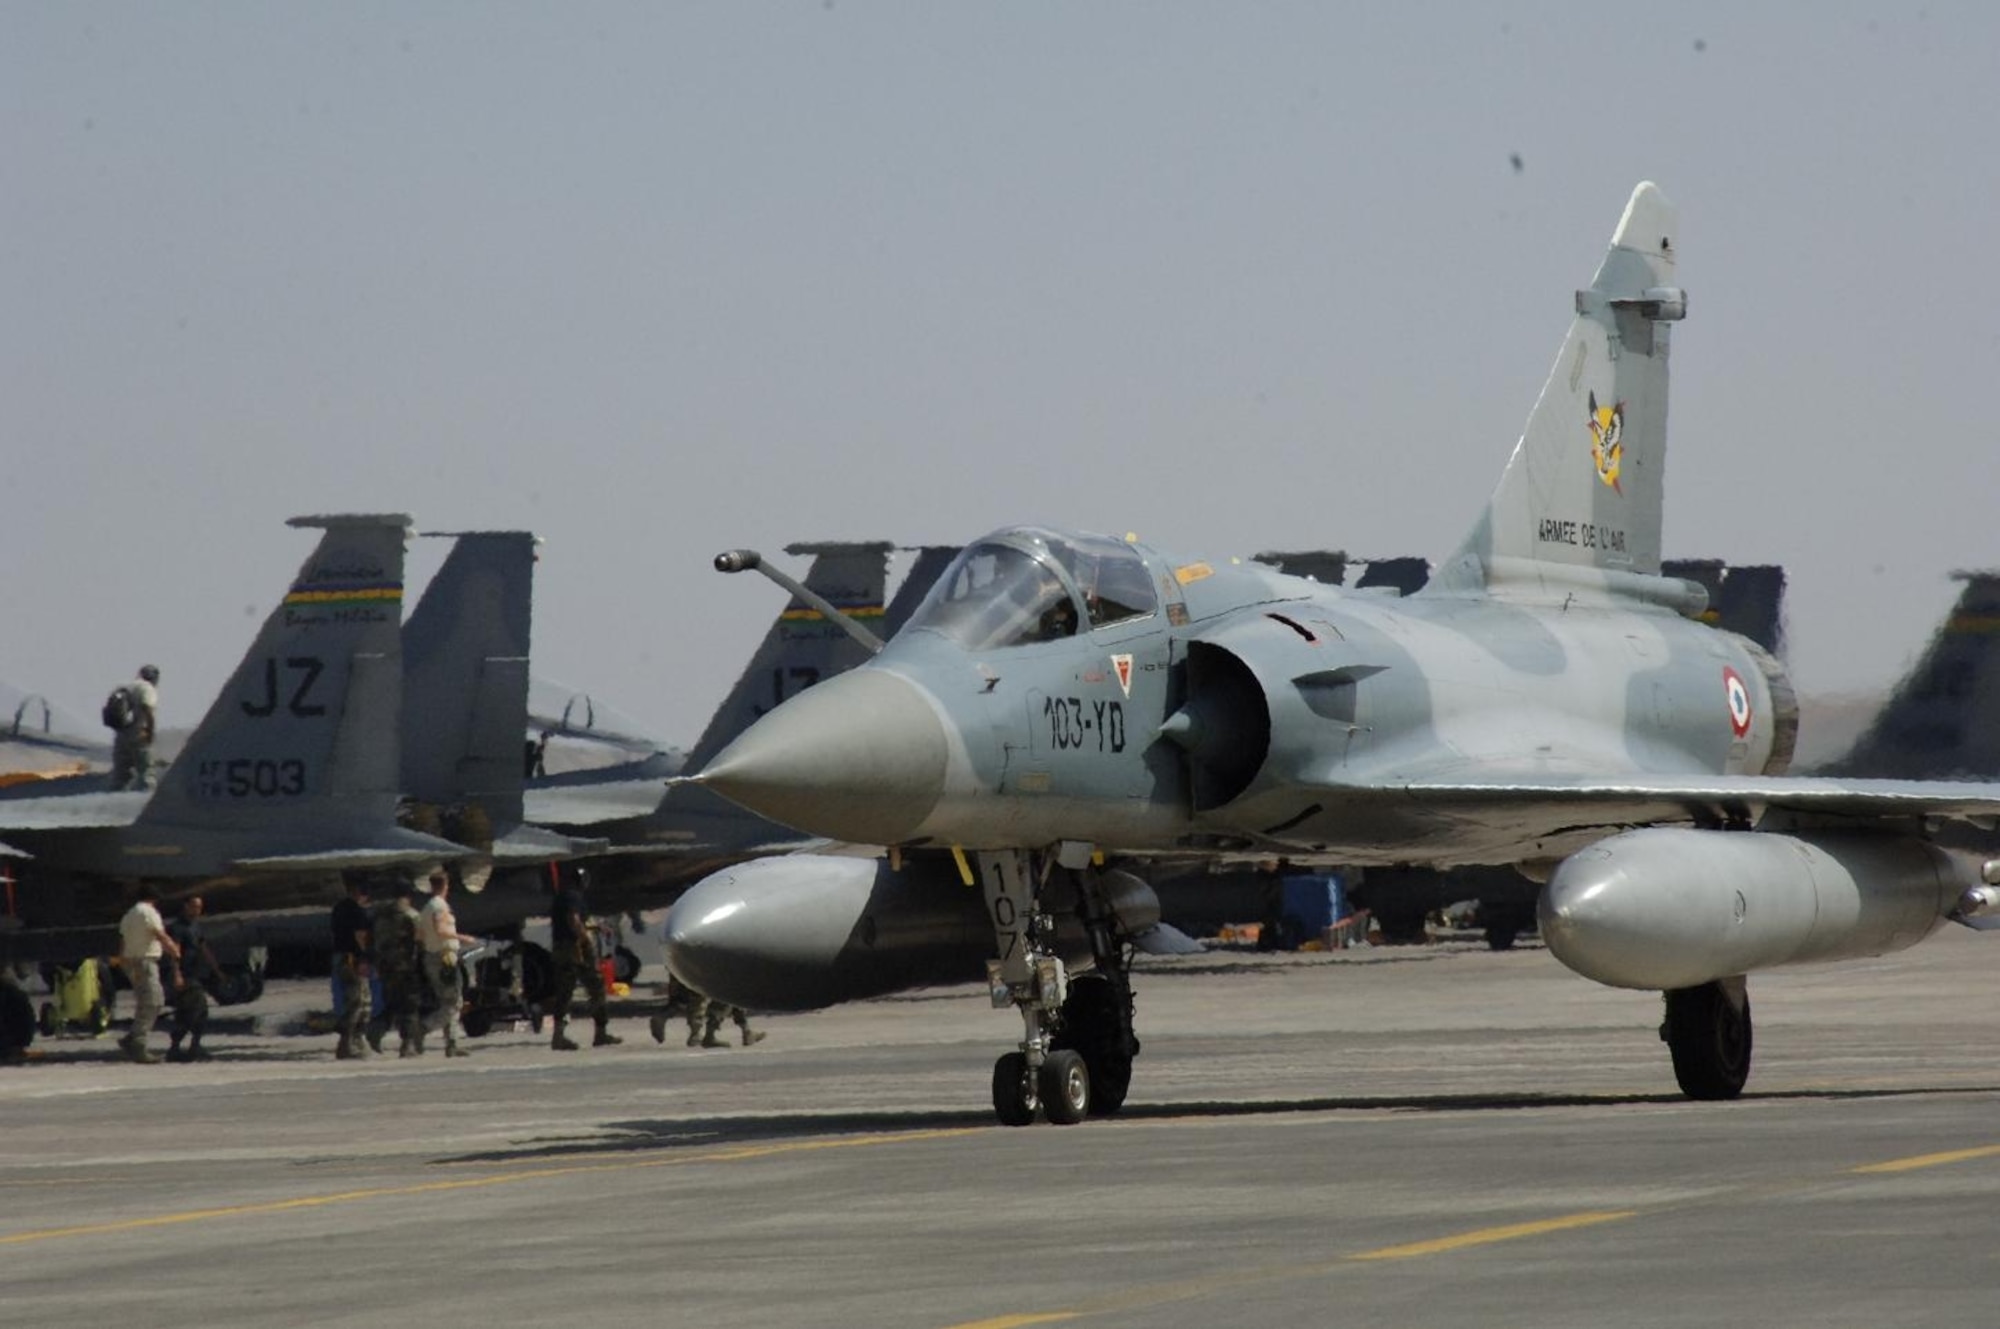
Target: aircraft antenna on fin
{"x":1583,"y":488}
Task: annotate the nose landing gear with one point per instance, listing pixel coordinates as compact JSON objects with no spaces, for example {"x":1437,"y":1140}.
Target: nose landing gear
{"x":1077,"y":1045}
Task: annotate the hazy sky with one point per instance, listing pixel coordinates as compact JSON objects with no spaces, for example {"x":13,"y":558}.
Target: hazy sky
{"x":655,"y":280}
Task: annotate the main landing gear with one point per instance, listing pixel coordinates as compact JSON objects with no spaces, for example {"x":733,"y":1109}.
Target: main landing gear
{"x":1077,"y":1045}
{"x":1707,"y":1029}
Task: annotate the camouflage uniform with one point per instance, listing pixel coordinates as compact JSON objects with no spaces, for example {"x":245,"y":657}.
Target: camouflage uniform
{"x":350,"y":970}
{"x":189,"y":994}
{"x":705,"y":1019}
{"x":399,"y":964}
{"x":132,"y":746}
{"x":575,"y":955}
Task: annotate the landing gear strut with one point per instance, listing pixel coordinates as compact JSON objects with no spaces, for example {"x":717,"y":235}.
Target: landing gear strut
{"x":1707,"y":1030}
{"x":1077,"y":1046}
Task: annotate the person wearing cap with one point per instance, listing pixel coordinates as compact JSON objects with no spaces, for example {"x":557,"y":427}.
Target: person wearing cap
{"x":132,"y":741}
{"x":437,"y":933}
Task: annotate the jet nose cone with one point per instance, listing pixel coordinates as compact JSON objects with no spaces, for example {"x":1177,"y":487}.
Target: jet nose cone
{"x":860,"y":757}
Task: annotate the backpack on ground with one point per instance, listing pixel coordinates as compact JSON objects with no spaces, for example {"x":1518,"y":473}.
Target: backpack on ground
{"x":119,"y":711}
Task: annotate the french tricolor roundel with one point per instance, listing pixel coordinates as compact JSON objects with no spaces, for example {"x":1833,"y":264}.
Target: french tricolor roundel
{"x":1738,"y":693}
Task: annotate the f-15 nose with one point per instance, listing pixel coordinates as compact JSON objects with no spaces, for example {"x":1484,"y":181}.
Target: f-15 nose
{"x":860,"y":757}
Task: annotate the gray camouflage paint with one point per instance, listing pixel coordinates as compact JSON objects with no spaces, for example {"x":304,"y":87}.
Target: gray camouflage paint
{"x":1545,"y":689}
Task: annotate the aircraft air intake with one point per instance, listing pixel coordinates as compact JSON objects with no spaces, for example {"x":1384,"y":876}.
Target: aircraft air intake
{"x":1224,"y":726}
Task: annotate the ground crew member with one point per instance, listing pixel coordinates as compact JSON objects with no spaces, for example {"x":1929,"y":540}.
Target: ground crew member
{"x":142,"y":940}
{"x":575,"y":947}
{"x":705,"y":1017}
{"x":351,"y":947}
{"x":437,"y":933}
{"x":132,"y":741}
{"x":399,"y":964}
{"x":190,"y":974}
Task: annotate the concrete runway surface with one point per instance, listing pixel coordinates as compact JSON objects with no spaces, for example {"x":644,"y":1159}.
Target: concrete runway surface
{"x":1438,"y":1137}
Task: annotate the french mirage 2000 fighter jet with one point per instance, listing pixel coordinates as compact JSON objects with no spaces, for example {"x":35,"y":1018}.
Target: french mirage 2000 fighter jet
{"x":1548,"y":700}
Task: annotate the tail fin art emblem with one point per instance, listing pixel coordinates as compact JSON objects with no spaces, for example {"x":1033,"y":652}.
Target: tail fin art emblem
{"x":1607,"y":440}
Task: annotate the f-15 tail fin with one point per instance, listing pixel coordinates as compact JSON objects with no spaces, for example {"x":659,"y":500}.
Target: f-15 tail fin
{"x":465,"y":702}
{"x":803,"y":646}
{"x":925,"y":569}
{"x":307,"y":723}
{"x":1943,"y":720}
{"x":1583,"y":488}
{"x":1747,"y":600}
{"x":465,"y":679}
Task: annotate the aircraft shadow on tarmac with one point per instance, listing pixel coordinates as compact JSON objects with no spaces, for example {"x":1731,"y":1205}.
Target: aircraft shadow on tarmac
{"x":652,"y":1136}
{"x":1263,"y":966}
{"x":99,"y":1051}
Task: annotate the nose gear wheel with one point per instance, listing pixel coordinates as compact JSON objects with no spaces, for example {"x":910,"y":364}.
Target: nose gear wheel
{"x":1077,"y":1045}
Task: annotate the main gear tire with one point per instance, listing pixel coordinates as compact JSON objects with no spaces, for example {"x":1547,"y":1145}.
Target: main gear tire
{"x":1095,"y":1019}
{"x":1709,"y":1037}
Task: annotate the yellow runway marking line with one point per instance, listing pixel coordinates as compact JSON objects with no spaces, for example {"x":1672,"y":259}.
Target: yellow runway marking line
{"x":1932,"y":1160}
{"x":734,"y":1155}
{"x":1487,"y":1236}
{"x":1195,"y":1288}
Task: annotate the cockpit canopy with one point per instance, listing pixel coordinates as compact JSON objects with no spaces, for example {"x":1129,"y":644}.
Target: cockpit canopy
{"x":1028,"y":585}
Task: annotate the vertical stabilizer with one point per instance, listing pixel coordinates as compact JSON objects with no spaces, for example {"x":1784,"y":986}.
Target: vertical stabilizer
{"x":308,"y":720}
{"x":1943,"y":720}
{"x":803,"y":646}
{"x":1583,"y":488}
{"x":465,"y":679}
{"x":1747,"y":600}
